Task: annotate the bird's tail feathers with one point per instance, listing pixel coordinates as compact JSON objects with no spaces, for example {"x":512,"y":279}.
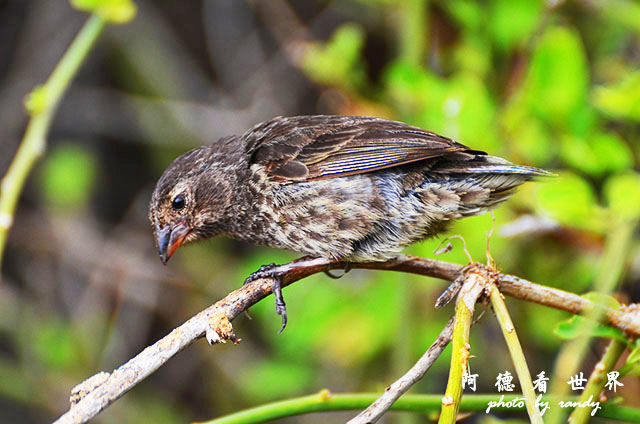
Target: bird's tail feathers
{"x":485,"y":183}
{"x":488,"y":164}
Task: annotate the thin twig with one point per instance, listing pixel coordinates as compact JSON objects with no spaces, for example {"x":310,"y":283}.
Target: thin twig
{"x":214,"y":322}
{"x":392,"y":393}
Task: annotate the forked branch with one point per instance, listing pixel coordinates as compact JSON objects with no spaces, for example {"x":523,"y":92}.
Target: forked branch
{"x":92,"y":396}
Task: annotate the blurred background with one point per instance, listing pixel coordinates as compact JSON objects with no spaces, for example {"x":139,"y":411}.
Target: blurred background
{"x":552,"y":84}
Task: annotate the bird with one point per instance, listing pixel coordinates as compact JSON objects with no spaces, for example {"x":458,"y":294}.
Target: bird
{"x":348,"y":188}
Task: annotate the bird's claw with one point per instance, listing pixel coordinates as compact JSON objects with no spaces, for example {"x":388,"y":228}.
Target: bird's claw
{"x":345,"y":270}
{"x":281,"y":307}
{"x":271,"y":271}
{"x":265,"y":271}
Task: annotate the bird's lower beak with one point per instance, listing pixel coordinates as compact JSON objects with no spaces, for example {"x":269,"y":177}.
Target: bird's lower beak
{"x":169,"y":238}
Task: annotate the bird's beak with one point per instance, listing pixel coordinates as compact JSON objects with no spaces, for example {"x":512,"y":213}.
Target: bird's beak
{"x":169,"y":238}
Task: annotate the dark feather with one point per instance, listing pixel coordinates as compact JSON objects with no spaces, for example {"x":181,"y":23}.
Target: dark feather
{"x":318,"y":147}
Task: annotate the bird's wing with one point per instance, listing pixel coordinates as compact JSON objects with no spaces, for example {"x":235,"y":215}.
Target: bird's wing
{"x":314,"y":147}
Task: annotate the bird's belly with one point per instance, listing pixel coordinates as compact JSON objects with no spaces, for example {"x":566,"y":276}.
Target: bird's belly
{"x":360,"y":218}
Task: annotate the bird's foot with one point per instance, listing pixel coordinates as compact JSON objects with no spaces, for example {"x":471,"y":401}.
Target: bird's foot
{"x":345,"y":270}
{"x":265,"y":271}
{"x":275,"y":272}
{"x":293,"y":271}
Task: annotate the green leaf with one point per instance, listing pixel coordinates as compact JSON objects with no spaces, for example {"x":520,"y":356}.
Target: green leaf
{"x":337,"y":62}
{"x":597,"y":155}
{"x":632,"y":366}
{"x":67,"y":177}
{"x":556,"y":82}
{"x":634,"y":356}
{"x":621,"y":100}
{"x":602,"y":299}
{"x":513,"y":21}
{"x":577,"y":326}
{"x":413,"y":91}
{"x":114,"y":11}
{"x":468,"y":13}
{"x":622,"y":194}
{"x":473,"y":54}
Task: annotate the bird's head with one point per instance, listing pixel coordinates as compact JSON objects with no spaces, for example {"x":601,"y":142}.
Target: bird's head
{"x":189,"y":200}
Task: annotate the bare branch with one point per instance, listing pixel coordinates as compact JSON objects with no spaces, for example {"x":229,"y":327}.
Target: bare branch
{"x":392,"y":393}
{"x":214,"y":322}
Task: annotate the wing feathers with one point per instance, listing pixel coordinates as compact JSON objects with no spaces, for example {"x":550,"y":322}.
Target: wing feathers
{"x":315,"y":147}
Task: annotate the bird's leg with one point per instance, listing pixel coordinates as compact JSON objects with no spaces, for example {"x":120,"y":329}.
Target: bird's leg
{"x":281,"y":307}
{"x":272,"y":271}
{"x":345,"y":270}
{"x":278,"y":272}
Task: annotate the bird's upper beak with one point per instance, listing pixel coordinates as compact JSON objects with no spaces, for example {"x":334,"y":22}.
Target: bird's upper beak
{"x":169,"y":238}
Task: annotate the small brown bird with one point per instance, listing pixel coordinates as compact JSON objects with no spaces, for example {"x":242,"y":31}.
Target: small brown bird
{"x":353,"y":188}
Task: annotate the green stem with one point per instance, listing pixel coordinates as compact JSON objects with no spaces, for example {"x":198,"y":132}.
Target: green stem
{"x":517,"y":355}
{"x":609,"y":275}
{"x":45,"y":101}
{"x":419,"y":403}
{"x":597,"y":380}
{"x":465,"y":306}
{"x":401,"y":359}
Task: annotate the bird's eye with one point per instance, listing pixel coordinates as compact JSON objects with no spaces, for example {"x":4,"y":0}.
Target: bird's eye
{"x":178,"y":202}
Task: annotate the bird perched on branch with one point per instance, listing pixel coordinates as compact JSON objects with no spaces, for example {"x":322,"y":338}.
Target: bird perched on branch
{"x":353,"y":188}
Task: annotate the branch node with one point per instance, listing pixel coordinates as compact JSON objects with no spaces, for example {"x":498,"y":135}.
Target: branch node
{"x":447,"y":401}
{"x":87,"y":386}
{"x":220,"y":330}
{"x":325,"y":394}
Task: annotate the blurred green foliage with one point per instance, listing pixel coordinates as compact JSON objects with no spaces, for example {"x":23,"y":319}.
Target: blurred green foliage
{"x":114,"y":11}
{"x":621,"y":100}
{"x":523,"y":81}
{"x":338,"y":62}
{"x":67,"y":177}
{"x":549,"y":84}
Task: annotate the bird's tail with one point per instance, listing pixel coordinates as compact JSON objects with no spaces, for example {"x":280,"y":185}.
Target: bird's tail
{"x":486,"y":181}
{"x":495,"y":165}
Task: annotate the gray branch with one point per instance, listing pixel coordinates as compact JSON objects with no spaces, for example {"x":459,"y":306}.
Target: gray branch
{"x":89,"y":398}
{"x":377,"y":409}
